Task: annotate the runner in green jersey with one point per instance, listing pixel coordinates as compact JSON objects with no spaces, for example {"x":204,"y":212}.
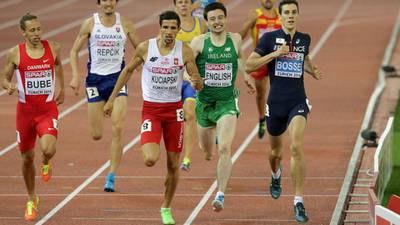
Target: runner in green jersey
{"x":218,"y":58}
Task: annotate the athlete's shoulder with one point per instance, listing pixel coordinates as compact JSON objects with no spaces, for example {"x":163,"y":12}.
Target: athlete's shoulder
{"x":13,"y":52}
{"x":304,"y":36}
{"x":88,"y":24}
{"x":54,"y":44}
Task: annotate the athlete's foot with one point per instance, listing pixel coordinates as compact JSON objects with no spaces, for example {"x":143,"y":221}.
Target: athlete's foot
{"x":185,"y":166}
{"x":218,"y":203}
{"x":262,"y":126}
{"x":46,"y":172}
{"x":31,"y":210}
{"x":275,"y":187}
{"x":300,"y":213}
{"x":166,"y":216}
{"x":109,"y":185}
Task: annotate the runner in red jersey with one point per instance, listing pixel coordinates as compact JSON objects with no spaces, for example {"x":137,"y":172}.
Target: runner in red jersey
{"x":37,"y":64}
{"x":260,"y":21}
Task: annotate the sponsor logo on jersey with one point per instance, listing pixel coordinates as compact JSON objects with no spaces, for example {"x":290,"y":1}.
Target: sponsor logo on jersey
{"x":280,"y":41}
{"x":153,"y":59}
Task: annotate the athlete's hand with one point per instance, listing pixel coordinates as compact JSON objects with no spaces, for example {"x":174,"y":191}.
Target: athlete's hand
{"x":107,"y":109}
{"x":75,"y":84}
{"x":250,"y":83}
{"x":60,"y":97}
{"x":316,"y":73}
{"x":197,"y":82}
{"x":282,"y":50}
{"x":10,"y":88}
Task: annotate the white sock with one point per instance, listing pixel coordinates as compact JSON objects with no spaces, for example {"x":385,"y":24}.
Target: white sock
{"x":298,"y":199}
{"x":277,"y":174}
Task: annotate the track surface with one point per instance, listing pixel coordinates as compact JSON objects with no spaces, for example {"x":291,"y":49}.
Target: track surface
{"x":349,"y":58}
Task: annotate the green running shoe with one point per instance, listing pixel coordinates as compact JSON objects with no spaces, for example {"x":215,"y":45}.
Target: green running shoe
{"x":166,"y":216}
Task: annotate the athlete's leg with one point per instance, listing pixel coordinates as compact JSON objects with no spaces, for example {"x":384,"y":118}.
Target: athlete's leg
{"x":95,"y":114}
{"x":206,"y":140}
{"x":297,"y":164}
{"x":189,"y":138}
{"x":226,"y":128}
{"x":151,"y":153}
{"x":172,"y":178}
{"x":48,"y":145}
{"x":118,"y":119}
{"x":28,"y":171}
{"x":275,"y":154}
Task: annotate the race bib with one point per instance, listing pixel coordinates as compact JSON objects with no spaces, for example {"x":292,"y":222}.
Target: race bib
{"x":92,"y":92}
{"x":165,"y":78}
{"x":38,"y":82}
{"x":146,"y":126}
{"x":290,"y":65}
{"x":109,"y":51}
{"x":218,"y":75}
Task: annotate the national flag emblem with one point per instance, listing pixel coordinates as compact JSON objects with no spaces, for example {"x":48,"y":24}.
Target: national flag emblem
{"x":176,"y":62}
{"x":117,"y":29}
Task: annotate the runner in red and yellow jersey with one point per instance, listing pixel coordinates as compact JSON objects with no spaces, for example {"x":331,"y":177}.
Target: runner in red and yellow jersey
{"x":260,"y":21}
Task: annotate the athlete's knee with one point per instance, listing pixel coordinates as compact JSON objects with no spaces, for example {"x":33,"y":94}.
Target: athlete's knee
{"x":28,"y":159}
{"x":296,"y":149}
{"x":150,"y":162}
{"x":96,"y":136}
{"x":172,"y":167}
{"x":117,"y":130}
{"x":49,"y":150}
{"x":190,"y":115}
{"x":224,"y":150}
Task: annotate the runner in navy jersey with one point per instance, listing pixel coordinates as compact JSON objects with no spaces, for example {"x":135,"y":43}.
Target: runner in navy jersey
{"x":285,"y":52}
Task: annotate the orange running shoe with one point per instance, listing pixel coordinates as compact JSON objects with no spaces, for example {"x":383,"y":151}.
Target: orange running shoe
{"x":46,"y":172}
{"x":32,"y":209}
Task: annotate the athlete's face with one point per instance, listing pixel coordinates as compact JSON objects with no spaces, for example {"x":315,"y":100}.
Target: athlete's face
{"x":108,"y":6}
{"x":183,"y":7}
{"x":216,"y":21}
{"x":169,"y":29}
{"x":268,"y":4}
{"x":289,"y":16}
{"x":33,"y":31}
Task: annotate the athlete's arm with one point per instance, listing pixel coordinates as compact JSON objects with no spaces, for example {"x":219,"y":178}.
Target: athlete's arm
{"x":130,"y":32}
{"x":82,"y":38}
{"x":197,"y":45}
{"x":59,"y":71}
{"x":237,"y":41}
{"x":248,"y":24}
{"x":191,"y":68}
{"x":137,"y":60}
{"x":312,"y":69}
{"x":255,"y":60}
{"x":8,"y":70}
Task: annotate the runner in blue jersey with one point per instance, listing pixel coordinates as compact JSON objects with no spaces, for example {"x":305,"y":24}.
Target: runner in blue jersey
{"x":285,"y":52}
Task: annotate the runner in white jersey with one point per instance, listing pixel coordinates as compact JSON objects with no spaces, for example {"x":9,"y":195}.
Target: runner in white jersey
{"x":164,"y":60}
{"x":106,"y":32}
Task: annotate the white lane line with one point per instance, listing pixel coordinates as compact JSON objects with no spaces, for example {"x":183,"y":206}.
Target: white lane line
{"x":205,"y":198}
{"x":61,"y":29}
{"x":316,"y":49}
{"x":51,"y":8}
{"x":84,"y":184}
{"x":140,"y":24}
{"x":9,"y":2}
{"x":180,"y":178}
{"x":161,"y":194}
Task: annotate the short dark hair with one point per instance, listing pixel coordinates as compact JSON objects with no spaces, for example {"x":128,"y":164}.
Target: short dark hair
{"x":214,"y":6}
{"x":98,"y":2}
{"x":287,"y":2}
{"x":28,"y":16}
{"x":170,"y":15}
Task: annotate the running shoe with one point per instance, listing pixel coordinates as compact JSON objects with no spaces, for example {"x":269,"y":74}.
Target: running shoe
{"x":109,"y":185}
{"x":275,"y":188}
{"x":31,"y":210}
{"x":218,"y":203}
{"x":300,"y":213}
{"x":185,"y":166}
{"x":46,"y":172}
{"x":262,"y":127}
{"x":166,"y":216}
